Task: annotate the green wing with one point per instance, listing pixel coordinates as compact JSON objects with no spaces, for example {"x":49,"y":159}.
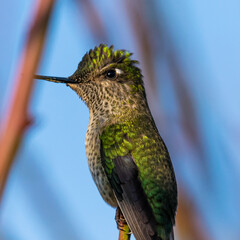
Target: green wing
{"x":142,"y":188}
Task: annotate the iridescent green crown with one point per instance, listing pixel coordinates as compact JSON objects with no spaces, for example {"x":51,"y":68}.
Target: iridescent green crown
{"x":101,"y":56}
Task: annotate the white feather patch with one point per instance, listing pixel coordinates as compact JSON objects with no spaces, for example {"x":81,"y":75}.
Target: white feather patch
{"x":118,"y":71}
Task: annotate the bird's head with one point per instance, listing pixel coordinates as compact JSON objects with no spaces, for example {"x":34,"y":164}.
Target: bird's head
{"x":108,"y":81}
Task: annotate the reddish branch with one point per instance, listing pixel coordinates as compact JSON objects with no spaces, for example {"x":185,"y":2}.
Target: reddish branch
{"x":190,"y":224}
{"x":123,"y":235}
{"x":17,"y":119}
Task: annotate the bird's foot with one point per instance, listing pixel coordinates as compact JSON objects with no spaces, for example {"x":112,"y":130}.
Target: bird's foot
{"x":121,"y":222}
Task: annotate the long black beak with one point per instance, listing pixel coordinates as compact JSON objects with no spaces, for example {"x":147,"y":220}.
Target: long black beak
{"x":55,"y":79}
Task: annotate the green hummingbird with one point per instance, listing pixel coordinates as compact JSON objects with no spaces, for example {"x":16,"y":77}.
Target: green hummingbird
{"x":127,"y":157}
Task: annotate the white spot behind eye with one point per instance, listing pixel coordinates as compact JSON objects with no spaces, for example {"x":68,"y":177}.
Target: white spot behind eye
{"x":118,"y":71}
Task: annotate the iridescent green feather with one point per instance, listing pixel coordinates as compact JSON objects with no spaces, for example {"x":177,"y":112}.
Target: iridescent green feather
{"x":139,"y":138}
{"x":103,"y":56}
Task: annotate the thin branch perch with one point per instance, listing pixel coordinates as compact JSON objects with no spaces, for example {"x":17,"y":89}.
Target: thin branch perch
{"x":124,"y":234}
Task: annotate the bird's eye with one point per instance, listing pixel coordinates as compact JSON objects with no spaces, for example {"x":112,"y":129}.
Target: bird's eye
{"x":111,"y":74}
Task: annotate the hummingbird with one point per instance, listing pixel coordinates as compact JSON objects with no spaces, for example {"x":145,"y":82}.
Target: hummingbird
{"x":127,"y":157}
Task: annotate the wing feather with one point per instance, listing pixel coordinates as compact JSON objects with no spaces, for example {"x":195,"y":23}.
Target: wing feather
{"x":133,"y":201}
{"x":124,"y":177}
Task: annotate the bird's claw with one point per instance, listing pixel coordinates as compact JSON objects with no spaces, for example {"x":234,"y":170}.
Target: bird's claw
{"x":121,"y":222}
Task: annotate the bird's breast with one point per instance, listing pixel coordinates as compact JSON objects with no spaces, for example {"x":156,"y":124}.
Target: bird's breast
{"x":92,"y":145}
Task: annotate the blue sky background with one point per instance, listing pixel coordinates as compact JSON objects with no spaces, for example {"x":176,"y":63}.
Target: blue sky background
{"x":50,"y":193}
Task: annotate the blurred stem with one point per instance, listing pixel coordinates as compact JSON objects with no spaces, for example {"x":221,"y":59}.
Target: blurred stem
{"x":17,"y":119}
{"x":93,"y":19}
{"x":190,"y":224}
